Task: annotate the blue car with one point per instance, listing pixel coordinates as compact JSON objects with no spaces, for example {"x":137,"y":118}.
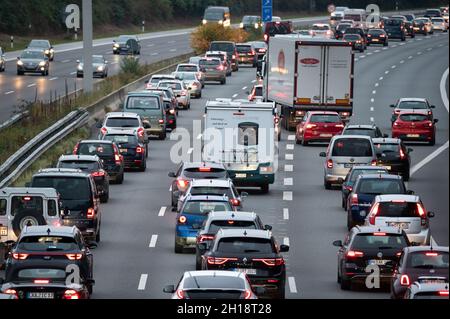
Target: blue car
{"x":192,"y":215}
{"x":366,"y":188}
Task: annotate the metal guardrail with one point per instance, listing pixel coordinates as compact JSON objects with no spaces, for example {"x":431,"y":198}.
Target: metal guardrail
{"x":13,"y":120}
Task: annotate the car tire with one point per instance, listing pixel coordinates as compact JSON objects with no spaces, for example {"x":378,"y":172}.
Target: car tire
{"x":104,"y":198}
{"x":406,"y":176}
{"x":20,"y":73}
{"x":361,"y":51}
{"x":199,"y":96}
{"x":223,"y":82}
{"x":385,"y":44}
{"x":279,"y":137}
{"x":98,"y":237}
{"x":345,"y":284}
{"x":120,"y":179}
{"x":403,"y":39}
{"x":304,"y":142}
{"x":433,"y":141}
{"x":326,"y":184}
{"x":28,"y":213}
{"x":350,"y":223}
{"x":265,"y":188}
{"x":281,"y":292}
{"x":162,"y":136}
{"x":143,"y":168}
{"x":343,"y":203}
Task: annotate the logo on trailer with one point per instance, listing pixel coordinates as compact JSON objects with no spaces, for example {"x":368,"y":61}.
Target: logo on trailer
{"x":309,"y":61}
{"x":281,"y":60}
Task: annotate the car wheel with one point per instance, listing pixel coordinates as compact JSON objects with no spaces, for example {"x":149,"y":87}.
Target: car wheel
{"x":343,"y":203}
{"x":326,"y":184}
{"x":345,"y":284}
{"x":19,"y":73}
{"x":199,"y":96}
{"x":281,"y":292}
{"x":224,"y":81}
{"x":403,"y":39}
{"x":162,"y":136}
{"x":104,"y":198}
{"x":279,"y":136}
{"x":304,"y":142}
{"x":265,"y":188}
{"x":98,"y":236}
{"x":385,"y":44}
{"x":361,"y":50}
{"x":120,"y":179}
{"x":350,"y":223}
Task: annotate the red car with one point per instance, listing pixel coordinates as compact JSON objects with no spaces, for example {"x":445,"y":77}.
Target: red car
{"x":414,"y":126}
{"x":318,"y":126}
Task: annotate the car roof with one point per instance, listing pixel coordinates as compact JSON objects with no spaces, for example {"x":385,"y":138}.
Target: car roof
{"x":171,"y":81}
{"x":86,"y":158}
{"x":211,"y":59}
{"x":216,"y":198}
{"x":187,"y":64}
{"x":96,"y":142}
{"x":380,"y":176}
{"x":121,"y":114}
{"x":248,"y":233}
{"x":361,"y":126}
{"x":376,"y":229}
{"x":202,"y":164}
{"x":62,"y":172}
{"x":412,"y":249}
{"x":214,"y":273}
{"x":402,"y":197}
{"x":148,"y":93}
{"x":386,"y":140}
{"x":366,"y":167}
{"x":162,"y":75}
{"x":243,"y":216}
{"x":216,"y":52}
{"x":211,"y":182}
{"x":44,"y":230}
{"x":338,"y":137}
{"x":122,"y":131}
{"x":412,"y":99}
{"x":49,"y":192}
{"x":323,"y":113}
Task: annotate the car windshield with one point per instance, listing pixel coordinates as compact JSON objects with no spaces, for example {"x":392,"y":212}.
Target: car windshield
{"x":100,"y":149}
{"x":139,"y":103}
{"x":325,"y":118}
{"x":242,"y":245}
{"x":205,"y":207}
{"x":39,"y":44}
{"x":222,"y":46}
{"x":379,"y":240}
{"x":398,"y":209}
{"x":98,"y":60}
{"x":352,"y":37}
{"x":378,"y":186}
{"x":404,"y":105}
{"x":387,"y":148}
{"x":32,"y":55}
{"x":172,"y":85}
{"x":413,"y":117}
{"x":250,"y":19}
{"x":122,"y":122}
{"x":244,"y":48}
{"x":214,"y":14}
{"x":69,"y":188}
{"x":26,"y":203}
{"x":47,"y":243}
{"x":354,"y":17}
{"x":213,"y":281}
{"x":352,"y":147}
{"x":209,"y":62}
{"x":356,"y":172}
{"x":428,"y":260}
{"x":219,"y":56}
{"x":217,"y":224}
{"x":122,"y":139}
{"x":37,"y":273}
{"x":360,"y":131}
{"x":320,"y":27}
{"x":205,"y":173}
{"x":123,"y":39}
{"x":187,"y":68}
{"x":83,"y":165}
{"x":206,"y":190}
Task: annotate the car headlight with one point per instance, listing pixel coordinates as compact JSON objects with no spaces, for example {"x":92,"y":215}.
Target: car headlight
{"x":241,"y":25}
{"x":116,"y":45}
{"x":80,"y":67}
{"x":204,"y":21}
{"x":51,"y":50}
{"x":256,"y":25}
{"x":42,"y":63}
{"x":100,"y":68}
{"x":19,"y":63}
{"x":220,"y":21}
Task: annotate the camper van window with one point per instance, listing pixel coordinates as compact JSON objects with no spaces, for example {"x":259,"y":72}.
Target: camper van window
{"x":2,"y":207}
{"x":26,"y":203}
{"x":136,"y":103}
{"x":248,"y":134}
{"x":52,"y":207}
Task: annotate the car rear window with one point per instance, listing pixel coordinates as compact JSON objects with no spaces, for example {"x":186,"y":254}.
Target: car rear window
{"x":209,"y":62}
{"x":244,"y":48}
{"x":354,"y":147}
{"x":393,"y":22}
{"x":278,"y":28}
{"x":355,"y":173}
{"x":122,"y":139}
{"x":70,"y":188}
{"x":238,"y":245}
{"x":205,"y":173}
{"x":36,"y":273}
{"x":430,"y":295}
{"x":343,"y":26}
{"x":376,"y":32}
{"x":428,"y":260}
{"x":100,"y":149}
{"x":387,"y":148}
{"x":381,"y":240}
{"x":172,"y":85}
{"x":187,"y":68}
{"x":398,"y":209}
{"x":26,"y":203}
{"x":360,"y":131}
{"x":219,"y":56}
{"x":83,"y":165}
{"x":413,"y":117}
{"x":205,"y":190}
{"x":325,"y":118}
{"x":320,"y":27}
{"x":412,"y":105}
{"x":47,"y":243}
{"x":123,"y":121}
{"x":211,"y":282}
{"x":227,"y":47}
{"x":217,"y":224}
{"x":205,"y":207}
{"x":352,"y":37}
{"x":380,"y":186}
{"x":138,"y":103}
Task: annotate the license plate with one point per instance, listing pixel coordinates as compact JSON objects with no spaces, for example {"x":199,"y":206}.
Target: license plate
{"x":432,"y":281}
{"x":387,"y":167}
{"x":348,"y":165}
{"x":247,"y":271}
{"x":378,"y":262}
{"x":41,"y":295}
{"x":3,"y":231}
{"x":241,"y":175}
{"x":399,"y":225}
{"x":413,"y":135}
{"x":326,"y":135}
{"x":375,"y":40}
{"x":123,"y":150}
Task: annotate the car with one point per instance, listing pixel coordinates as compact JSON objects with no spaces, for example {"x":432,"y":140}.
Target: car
{"x":132,"y":148}
{"x":43,"y":282}
{"x":345,"y":151}
{"x":366,"y":188}
{"x":318,"y":126}
{"x":108,"y":152}
{"x":433,"y":13}
{"x":181,"y":91}
{"x":122,"y":120}
{"x":215,"y":284}
{"x":216,"y":220}
{"x":340,"y":30}
{"x":349,"y":182}
{"x":128,"y":44}
{"x":33,"y":61}
{"x":217,"y":15}
{"x":91,"y":164}
{"x":195,"y":59}
{"x":367,"y":247}
{"x":254,"y":252}
{"x":446,"y":18}
{"x":191,"y":216}
{"x":251,"y":23}
{"x":170,"y":105}
{"x":361,"y":32}
{"x":213,"y":70}
{"x":2,"y":60}
{"x":408,"y":25}
{"x":188,"y":171}
{"x":413,"y":126}
{"x":53,"y":246}
{"x":256,"y":93}
{"x":260,"y":48}
{"x":213,"y":187}
{"x":167,"y":94}
{"x":44,"y":46}
{"x":426,"y":264}
{"x":322,"y":30}
{"x":247,"y":54}
{"x":230,"y":48}
{"x":192,"y":67}
{"x":423,"y":26}
{"x":394,"y":156}
{"x":99,"y":66}
{"x":192,"y":82}
{"x":365,"y":130}
{"x":273,"y":28}
{"x":395,"y":29}
{"x":411,"y":104}
{"x":224,"y":57}
{"x":421,"y":290}
{"x":403,"y":211}
{"x":439,"y":24}
{"x":377,"y":36}
{"x":153,"y":82}
{"x":79,"y":198}
{"x":355,"y":41}
{"x":348,"y":21}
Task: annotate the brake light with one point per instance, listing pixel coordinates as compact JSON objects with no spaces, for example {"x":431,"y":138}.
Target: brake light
{"x":422,"y":214}
{"x":354,"y":254}
{"x":382,"y":36}
{"x":379,"y":234}
{"x":276,"y":120}
{"x":220,"y":68}
{"x":234,"y":56}
{"x":262,"y":50}
{"x":117,"y":159}
{"x":98,"y":174}
{"x":330,"y":163}
{"x":373,"y":213}
{"x":404,"y":280}
{"x":219,"y":261}
{"x":443,"y":293}
{"x":354,"y":200}
{"x":90,"y":213}
{"x":310,"y":126}
{"x":253,"y":52}
{"x":430,"y":124}
{"x":203,"y":238}
{"x":27,"y":198}
{"x":397,"y":111}
{"x":17,"y":256}
{"x":182,"y":219}
{"x":180,"y":294}
{"x":272,"y":281}
{"x":71,"y":294}
{"x":402,"y":154}
{"x":140,"y":132}
{"x":74,"y":256}
{"x":204,"y":169}
{"x":104,"y":130}
{"x":248,"y":294}
{"x":431,"y":254}
{"x":139,"y":150}
{"x":182,"y":183}
{"x":398,"y":254}
{"x":41,"y":281}
{"x":339,"y":126}
{"x":172,"y":112}
{"x":374,"y":163}
{"x":266,"y":37}
{"x":235,"y":202}
{"x":349,"y":188}
{"x":271,"y":262}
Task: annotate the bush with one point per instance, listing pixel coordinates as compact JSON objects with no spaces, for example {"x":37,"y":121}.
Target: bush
{"x":205,"y":34}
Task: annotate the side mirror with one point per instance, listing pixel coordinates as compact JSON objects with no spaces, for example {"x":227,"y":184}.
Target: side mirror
{"x":172,"y":174}
{"x":410,"y":192}
{"x":203,"y":246}
{"x":392,"y":105}
{"x":170,"y":289}
{"x":267,"y":227}
{"x":98,"y":125}
{"x":338,"y":243}
{"x":435,"y":121}
{"x":340,"y":180}
{"x":430,"y":214}
{"x":244,"y":194}
{"x":259,"y":291}
{"x":323,"y":154}
{"x":433,"y":106}
{"x":284,"y":248}
{"x":410,"y":150}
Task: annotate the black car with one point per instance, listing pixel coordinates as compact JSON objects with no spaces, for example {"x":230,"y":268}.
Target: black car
{"x":197,"y":170}
{"x":252,"y":251}
{"x":247,"y":54}
{"x":230,"y":49}
{"x":393,"y":154}
{"x":223,"y":220}
{"x":409,"y":26}
{"x":359,"y":31}
{"x":42,"y":281}
{"x":92,"y":165}
{"x":260,"y":48}
{"x":131,"y":148}
{"x":128,"y":44}
{"x":377,"y":36}
{"x":355,"y":41}
{"x":108,"y":152}
{"x":340,"y":30}
{"x":79,"y":198}
{"x":395,"y":29}
{"x":366,"y":248}
{"x":366,"y":129}
{"x":53,"y":246}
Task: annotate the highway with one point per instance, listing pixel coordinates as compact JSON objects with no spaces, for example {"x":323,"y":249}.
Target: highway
{"x":136,"y":257}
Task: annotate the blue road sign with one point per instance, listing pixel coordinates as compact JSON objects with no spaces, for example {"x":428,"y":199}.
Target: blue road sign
{"x":267,"y":3}
{"x":267,"y":10}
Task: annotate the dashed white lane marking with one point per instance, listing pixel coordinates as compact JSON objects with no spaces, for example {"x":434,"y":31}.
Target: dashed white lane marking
{"x":114,"y":63}
{"x":402,"y":43}
{"x":153,"y":241}
{"x":362,"y":56}
{"x":289,"y":157}
{"x":394,"y":46}
{"x":73,"y":73}
{"x":244,"y":88}
{"x":376,"y":51}
{"x":65,"y":61}
{"x":402,"y":61}
{"x":374,"y":92}
{"x":162,"y":211}
{"x":286,"y":213}
{"x":289,"y":181}
{"x":171,"y":42}
{"x":372,"y":100}
{"x":386,"y":72}
{"x":291,"y":137}
{"x":53,"y":79}
{"x":381,"y":78}
{"x":150,"y":45}
{"x":429,"y":158}
{"x":288,"y":168}
{"x":9,"y":92}
{"x":419,"y":39}
{"x":429,"y":49}
{"x":393,"y":67}
{"x":369,"y":53}
{"x":142,"y":282}
{"x":356,"y":59}
{"x":170,"y":188}
{"x":384,"y":49}
{"x":199,"y":136}
{"x":410,"y":57}
{"x":286,"y":241}
{"x":173,"y":50}
{"x":31,"y":85}
{"x":287,"y":196}
{"x":419,"y":53}
{"x":372,"y":119}
{"x":290,"y":147}
{"x":377,"y":85}
{"x":292,"y":285}
{"x":372,"y":109}
{"x":190,"y":150}
{"x":154,"y":53}
{"x":254,"y":81}
{"x":235,"y":95}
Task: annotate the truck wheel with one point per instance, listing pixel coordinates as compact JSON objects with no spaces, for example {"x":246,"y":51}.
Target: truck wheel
{"x":265,"y":188}
{"x":178,"y":249}
{"x":27,"y":217}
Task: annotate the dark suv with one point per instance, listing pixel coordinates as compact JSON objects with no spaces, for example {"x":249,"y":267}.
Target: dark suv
{"x":79,"y":198}
{"x":252,"y":251}
{"x":395,"y":29}
{"x":277,"y":27}
{"x":409,"y":26}
{"x":393,"y":154}
{"x":230,"y":49}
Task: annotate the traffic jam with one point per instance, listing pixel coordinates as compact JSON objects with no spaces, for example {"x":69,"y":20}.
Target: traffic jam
{"x":303,"y":87}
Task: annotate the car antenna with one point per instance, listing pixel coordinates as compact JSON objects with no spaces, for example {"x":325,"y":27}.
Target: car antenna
{"x":245,"y":233}
{"x":48,"y":231}
{"x":232,"y":215}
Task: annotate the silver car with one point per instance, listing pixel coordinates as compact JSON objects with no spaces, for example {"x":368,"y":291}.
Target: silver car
{"x":99,"y":66}
{"x":180,"y":90}
{"x":403,"y":211}
{"x":33,"y":61}
{"x":213,"y":70}
{"x":428,"y":288}
{"x":343,"y":153}
{"x":192,"y":81}
{"x":192,"y":67}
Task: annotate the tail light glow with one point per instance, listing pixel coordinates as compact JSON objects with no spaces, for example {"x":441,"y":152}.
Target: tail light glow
{"x":98,"y":174}
{"x":74,"y":256}
{"x":180,"y":294}
{"x":219,"y":261}
{"x":443,"y":293}
{"x":310,"y":126}
{"x":75,"y":149}
{"x":373,"y":213}
{"x":71,"y":294}
{"x":402,"y":154}
{"x":104,"y":130}
{"x":204,"y":169}
{"x":182,"y":183}
{"x":374,"y":163}
{"x":203,"y":238}
{"x":139,"y":150}
{"x":379,"y":234}
{"x":248,"y":294}
{"x":140,"y":132}
{"x":354,"y":200}
{"x":18,"y":256}
{"x":41,"y":281}
{"x":354,"y":254}
{"x":161,"y":121}
{"x":90,"y":213}
{"x":271,"y":262}
{"x":235,"y":202}
{"x":404,"y":280}
{"x":10,"y":292}
{"x":330,"y":163}
{"x":430,"y":254}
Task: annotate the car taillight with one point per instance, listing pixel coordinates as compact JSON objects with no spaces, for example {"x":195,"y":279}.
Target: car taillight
{"x":17,"y":256}
{"x":75,"y":149}
{"x":404,"y":280}
{"x":41,"y":281}
{"x":266,"y":37}
{"x":219,"y":261}
{"x":422,"y":214}
{"x":104,"y":130}
{"x":276,"y":120}
{"x":348,"y":188}
{"x":181,"y":294}
{"x":402,"y":154}
{"x":339,"y":126}
{"x":235,"y":202}
{"x":431,"y":254}
{"x":253,"y":52}
{"x":204,"y":169}
{"x":117,"y":159}
{"x":354,"y":254}
{"x":379,"y":234}
{"x":90,"y":213}
{"x":139,"y":150}
{"x":330,"y":163}
{"x":398,"y":254}
{"x":443,"y":293}
{"x":233,"y":56}
{"x":11,"y":292}
{"x":140,"y":132}
{"x":71,"y":294}
{"x":272,"y":262}
{"x":396,"y":124}
{"x":161,"y":121}
{"x":98,"y":174}
{"x":172,"y":112}
{"x":310,"y":126}
{"x":374,"y":163}
{"x":429,"y":124}
{"x":203,"y":238}
{"x":183,"y":93}
{"x":382,"y":36}
{"x":248,"y":294}
{"x":74,"y":256}
{"x":182,"y":219}
{"x":262,"y":50}
{"x":354,"y":200}
{"x":182,"y":183}
{"x":373,"y":213}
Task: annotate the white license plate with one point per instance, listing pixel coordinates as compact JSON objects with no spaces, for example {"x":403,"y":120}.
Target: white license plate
{"x":241,"y":175}
{"x":3,"y":231}
{"x":348,"y":165}
{"x":41,"y":295}
{"x":247,"y":271}
{"x":399,"y":225}
{"x":326,"y":135}
{"x":375,"y":40}
{"x":123,"y":150}
{"x":378,"y":262}
{"x":413,"y":135}
{"x":432,"y":281}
